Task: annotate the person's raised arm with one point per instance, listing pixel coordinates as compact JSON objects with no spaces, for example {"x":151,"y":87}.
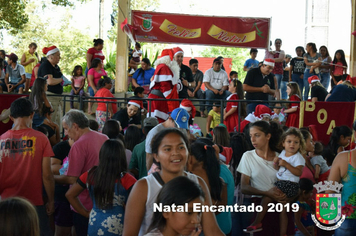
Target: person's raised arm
{"x":135,"y":208}
{"x":208,"y":222}
{"x":48,"y":183}
{"x":280,"y":57}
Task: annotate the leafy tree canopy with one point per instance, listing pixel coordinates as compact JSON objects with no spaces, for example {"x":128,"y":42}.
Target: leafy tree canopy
{"x":238,"y":55}
{"x":14,"y":17}
{"x":71,"y":42}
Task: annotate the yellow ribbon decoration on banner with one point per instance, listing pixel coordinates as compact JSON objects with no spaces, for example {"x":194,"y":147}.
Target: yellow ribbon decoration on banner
{"x":229,"y":37}
{"x":178,"y":31}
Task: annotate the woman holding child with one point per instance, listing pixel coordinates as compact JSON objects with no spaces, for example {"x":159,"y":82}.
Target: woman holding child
{"x":258,"y":174}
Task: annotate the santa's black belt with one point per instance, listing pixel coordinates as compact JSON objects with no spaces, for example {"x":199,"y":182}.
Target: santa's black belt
{"x":157,"y":93}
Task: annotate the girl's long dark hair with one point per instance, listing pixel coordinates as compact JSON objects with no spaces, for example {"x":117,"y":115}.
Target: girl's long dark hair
{"x":178,"y":191}
{"x":335,"y":137}
{"x":132,"y":137}
{"x":112,"y":166}
{"x":77,"y":67}
{"x":239,"y":146}
{"x":206,"y":154}
{"x":342,"y":59}
{"x":272,"y":128}
{"x":240,"y":94}
{"x":37,"y":95}
{"x":221,"y":136}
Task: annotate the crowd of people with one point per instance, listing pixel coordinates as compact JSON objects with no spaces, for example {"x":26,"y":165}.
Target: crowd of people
{"x":106,"y":175}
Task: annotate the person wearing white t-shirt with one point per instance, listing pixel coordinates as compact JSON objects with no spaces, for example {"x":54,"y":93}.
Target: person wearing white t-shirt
{"x":290,"y":165}
{"x":258,"y":174}
{"x":216,"y":82}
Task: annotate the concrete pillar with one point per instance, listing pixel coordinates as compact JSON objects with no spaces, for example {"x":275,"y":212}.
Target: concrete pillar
{"x":122,"y":47}
{"x":353,"y":40}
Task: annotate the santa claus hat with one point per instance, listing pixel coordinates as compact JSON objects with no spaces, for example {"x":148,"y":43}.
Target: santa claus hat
{"x":168,"y":52}
{"x":313,"y":79}
{"x":262,"y":110}
{"x":177,"y":50}
{"x":50,"y":50}
{"x":250,"y":118}
{"x":268,"y":62}
{"x":137,"y":103}
{"x":188,"y":106}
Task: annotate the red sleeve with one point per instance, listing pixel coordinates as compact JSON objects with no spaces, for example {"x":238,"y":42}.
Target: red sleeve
{"x":128,"y":181}
{"x":91,"y":51}
{"x":234,"y":97}
{"x":91,"y":71}
{"x":165,"y":87}
{"x":84,"y":177}
{"x":293,"y":99}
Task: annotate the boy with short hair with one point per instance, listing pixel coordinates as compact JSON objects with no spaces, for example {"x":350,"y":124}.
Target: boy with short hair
{"x":252,"y":62}
{"x":15,"y":75}
{"x":233,"y":75}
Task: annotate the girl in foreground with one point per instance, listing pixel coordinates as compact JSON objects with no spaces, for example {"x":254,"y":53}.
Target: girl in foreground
{"x":178,"y":191}
{"x":170,"y":149}
{"x":109,"y":186}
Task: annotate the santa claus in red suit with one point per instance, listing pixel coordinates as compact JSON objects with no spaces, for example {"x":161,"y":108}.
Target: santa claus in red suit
{"x":165,"y":84}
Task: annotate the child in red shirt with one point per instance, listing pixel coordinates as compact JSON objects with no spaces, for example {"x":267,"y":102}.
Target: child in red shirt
{"x":104,"y":86}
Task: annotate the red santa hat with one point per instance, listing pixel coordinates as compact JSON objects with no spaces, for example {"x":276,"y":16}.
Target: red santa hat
{"x":137,"y":103}
{"x":262,"y":110}
{"x":268,"y":62}
{"x":189,"y":107}
{"x":167,"y":52}
{"x":50,"y":50}
{"x":313,"y":79}
{"x":177,"y":50}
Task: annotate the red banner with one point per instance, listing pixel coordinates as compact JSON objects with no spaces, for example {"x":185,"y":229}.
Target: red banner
{"x":6,"y":100}
{"x":325,"y":116}
{"x":157,"y":27}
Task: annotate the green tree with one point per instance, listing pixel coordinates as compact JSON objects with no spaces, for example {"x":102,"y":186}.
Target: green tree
{"x":142,"y":5}
{"x":12,"y":14}
{"x":238,"y":55}
{"x":71,"y":42}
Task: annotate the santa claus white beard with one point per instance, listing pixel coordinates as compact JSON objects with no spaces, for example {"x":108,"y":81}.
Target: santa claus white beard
{"x":175,"y":70}
{"x":173,"y":65}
